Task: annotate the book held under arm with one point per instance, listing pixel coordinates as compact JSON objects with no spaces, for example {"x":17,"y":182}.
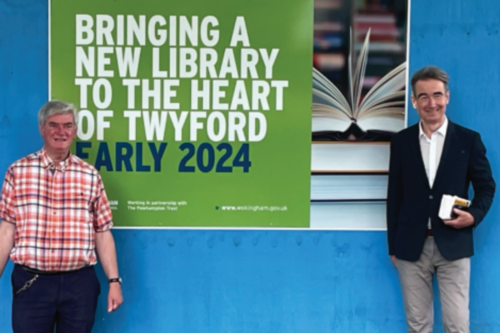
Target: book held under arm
{"x":448,"y":202}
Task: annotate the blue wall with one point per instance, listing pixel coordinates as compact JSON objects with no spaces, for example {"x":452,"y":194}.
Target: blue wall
{"x":273,"y":281}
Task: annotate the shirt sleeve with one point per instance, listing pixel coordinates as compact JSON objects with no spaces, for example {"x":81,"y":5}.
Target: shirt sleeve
{"x":7,"y":199}
{"x":103,"y":219}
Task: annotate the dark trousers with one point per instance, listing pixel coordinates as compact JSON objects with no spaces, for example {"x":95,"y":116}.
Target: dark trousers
{"x":66,"y":301}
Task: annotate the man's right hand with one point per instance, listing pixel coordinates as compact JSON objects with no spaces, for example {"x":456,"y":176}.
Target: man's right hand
{"x":394,"y":260}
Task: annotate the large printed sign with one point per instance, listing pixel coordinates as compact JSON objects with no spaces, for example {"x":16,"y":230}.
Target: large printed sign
{"x":195,"y":112}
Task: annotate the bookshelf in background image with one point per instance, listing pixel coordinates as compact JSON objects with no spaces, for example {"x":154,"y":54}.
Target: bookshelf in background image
{"x":387,"y":21}
{"x":332,"y":19}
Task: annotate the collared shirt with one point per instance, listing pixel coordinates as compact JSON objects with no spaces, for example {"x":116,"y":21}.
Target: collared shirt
{"x":57,"y":208}
{"x":431,"y":150}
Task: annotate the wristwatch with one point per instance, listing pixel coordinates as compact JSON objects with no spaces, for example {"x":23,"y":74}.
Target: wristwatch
{"x":118,"y":279}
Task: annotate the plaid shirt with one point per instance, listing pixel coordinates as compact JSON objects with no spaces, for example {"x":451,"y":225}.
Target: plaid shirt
{"x":57,"y":208}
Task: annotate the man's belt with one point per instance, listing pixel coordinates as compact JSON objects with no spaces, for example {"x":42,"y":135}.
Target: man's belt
{"x":39,"y":272}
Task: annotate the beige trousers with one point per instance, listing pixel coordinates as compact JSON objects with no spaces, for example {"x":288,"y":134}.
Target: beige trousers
{"x":453,"y":280}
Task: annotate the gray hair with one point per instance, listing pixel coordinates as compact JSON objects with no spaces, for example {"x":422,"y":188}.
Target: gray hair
{"x":56,"y":107}
{"x":429,"y":73}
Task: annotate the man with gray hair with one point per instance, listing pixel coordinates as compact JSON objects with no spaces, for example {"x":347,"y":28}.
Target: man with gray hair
{"x":54,"y":217}
{"x":428,"y":160}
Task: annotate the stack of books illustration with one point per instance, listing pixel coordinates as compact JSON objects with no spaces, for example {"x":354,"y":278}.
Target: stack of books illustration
{"x":359,"y":103}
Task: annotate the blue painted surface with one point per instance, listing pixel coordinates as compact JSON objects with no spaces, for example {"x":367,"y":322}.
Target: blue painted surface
{"x":254,"y":281}
{"x":273,"y":281}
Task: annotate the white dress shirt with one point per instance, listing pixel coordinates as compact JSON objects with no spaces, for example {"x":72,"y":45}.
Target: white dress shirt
{"x":431,"y":150}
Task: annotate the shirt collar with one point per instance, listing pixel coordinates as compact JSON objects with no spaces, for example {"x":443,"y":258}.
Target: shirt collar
{"x":48,"y":163}
{"x":441,"y":130}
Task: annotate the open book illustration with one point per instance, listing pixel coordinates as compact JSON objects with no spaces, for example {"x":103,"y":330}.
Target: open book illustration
{"x":373,"y":117}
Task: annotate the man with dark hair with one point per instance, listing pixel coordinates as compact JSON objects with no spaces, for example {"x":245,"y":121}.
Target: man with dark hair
{"x":430,"y":159}
{"x":54,"y":216}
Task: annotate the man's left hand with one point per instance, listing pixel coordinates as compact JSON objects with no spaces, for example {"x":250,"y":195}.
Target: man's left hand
{"x":115,"y":297}
{"x":463,"y":220}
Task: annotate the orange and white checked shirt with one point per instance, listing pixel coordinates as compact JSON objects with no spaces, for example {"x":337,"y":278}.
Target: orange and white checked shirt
{"x":57,"y":209}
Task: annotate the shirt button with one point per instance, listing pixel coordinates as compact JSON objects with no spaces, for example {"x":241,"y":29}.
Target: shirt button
{"x":431,"y":197}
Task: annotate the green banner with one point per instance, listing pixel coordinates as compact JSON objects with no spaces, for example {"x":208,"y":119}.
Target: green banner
{"x":196,"y":113}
